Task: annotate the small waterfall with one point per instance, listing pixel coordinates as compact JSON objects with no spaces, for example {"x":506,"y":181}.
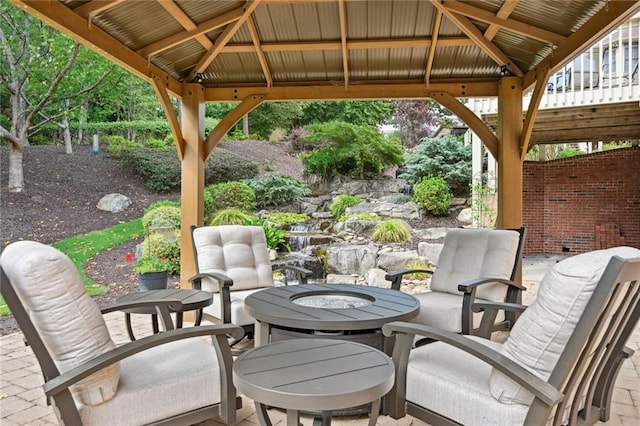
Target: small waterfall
{"x":299,"y":237}
{"x":302,"y":238}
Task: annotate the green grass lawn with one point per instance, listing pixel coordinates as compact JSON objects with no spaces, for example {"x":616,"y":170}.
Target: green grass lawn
{"x":82,"y":247}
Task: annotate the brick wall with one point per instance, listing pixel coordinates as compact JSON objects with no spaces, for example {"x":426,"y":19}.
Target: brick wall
{"x":582,"y":203}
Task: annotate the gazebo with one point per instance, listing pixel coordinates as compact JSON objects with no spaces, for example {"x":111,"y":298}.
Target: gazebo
{"x":286,"y":50}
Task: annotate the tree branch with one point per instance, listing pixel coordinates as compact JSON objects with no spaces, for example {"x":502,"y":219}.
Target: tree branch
{"x":4,"y":133}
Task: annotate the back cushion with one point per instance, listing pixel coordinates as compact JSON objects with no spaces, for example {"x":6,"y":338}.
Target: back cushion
{"x":541,"y":333}
{"x":240,"y":252}
{"x":68,"y":321}
{"x":476,"y":253}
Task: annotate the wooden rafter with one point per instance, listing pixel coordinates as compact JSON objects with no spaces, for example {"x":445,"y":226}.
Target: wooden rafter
{"x":261,"y":57}
{"x":172,"y":118}
{"x":507,"y":24}
{"x":505,"y":10}
{"x":400,"y":43}
{"x":432,"y":49}
{"x":532,"y":111}
{"x":223,"y":39}
{"x":474,"y":34}
{"x":197,"y":32}
{"x":186,"y":22}
{"x":343,"y":42}
{"x":94,"y":7}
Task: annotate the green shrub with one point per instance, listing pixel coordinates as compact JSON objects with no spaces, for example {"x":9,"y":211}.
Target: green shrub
{"x":417,"y":264}
{"x":277,"y":190}
{"x":281,"y":218}
{"x":230,"y":216}
{"x":364,"y":217}
{"x":278,"y":134}
{"x":341,"y":202}
{"x":161,"y":217}
{"x":391,"y":231}
{"x":118,"y":146}
{"x":162,"y":203}
{"x":568,"y":151}
{"x":156,"y":143}
{"x":160,"y":246}
{"x":400,"y":199}
{"x":276,"y":237}
{"x":352,"y":151}
{"x":444,"y":156}
{"x":224,"y":166}
{"x":234,"y":194}
{"x":433,"y":195}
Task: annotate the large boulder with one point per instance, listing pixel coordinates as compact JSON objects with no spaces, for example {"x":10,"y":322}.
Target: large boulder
{"x":399,"y":211}
{"x":396,"y":260}
{"x":114,"y":203}
{"x":430,"y":251}
{"x":351,"y":259}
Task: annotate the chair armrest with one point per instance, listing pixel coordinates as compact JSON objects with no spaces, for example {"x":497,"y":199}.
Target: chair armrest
{"x":396,"y":276}
{"x":490,"y":310}
{"x":301,"y":273}
{"x":224,"y":282}
{"x":405,"y":333}
{"x":468,"y":290}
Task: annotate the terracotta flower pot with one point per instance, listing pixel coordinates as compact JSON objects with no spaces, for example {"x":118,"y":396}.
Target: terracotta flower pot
{"x":153,"y":280}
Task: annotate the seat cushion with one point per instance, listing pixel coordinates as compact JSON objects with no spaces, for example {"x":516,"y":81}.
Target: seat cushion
{"x":444,"y":311}
{"x":240,"y":252}
{"x":455,"y":384}
{"x":475,"y":253}
{"x":160,"y":382}
{"x":67,"y":319}
{"x":238,"y":314}
{"x":541,"y":334}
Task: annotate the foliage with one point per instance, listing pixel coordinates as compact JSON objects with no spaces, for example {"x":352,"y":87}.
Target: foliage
{"x":339,"y":204}
{"x":162,"y":203}
{"x":159,"y":251}
{"x":230,"y":216}
{"x":482,"y":207}
{"x":277,"y":135}
{"x":148,"y":263}
{"x":118,"y":146}
{"x":238,"y":135}
{"x":400,"y":199}
{"x":232,"y":194}
{"x":568,"y":151}
{"x":284,"y":218}
{"x":224,"y":166}
{"x":272,"y":115}
{"x":417,"y":264}
{"x":414,"y":121}
{"x":444,"y":156}
{"x":433,"y":195}
{"x":353,"y":151}
{"x":276,"y":237}
{"x":275,"y":190}
{"x":369,"y":113}
{"x":391,"y":231}
{"x":364,"y":217}
{"x":166,"y":216}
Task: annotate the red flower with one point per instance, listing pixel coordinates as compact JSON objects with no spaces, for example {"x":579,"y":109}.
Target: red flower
{"x":129,"y":257}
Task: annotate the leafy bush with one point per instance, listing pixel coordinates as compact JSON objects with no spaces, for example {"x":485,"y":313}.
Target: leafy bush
{"x":400,"y":199}
{"x":568,"y":151}
{"x":234,"y":194}
{"x":341,"y":202}
{"x":156,"y":143}
{"x":117,"y":146}
{"x":353,"y":151}
{"x":278,"y":134}
{"x":433,"y":195}
{"x":161,"y":217}
{"x":277,"y":190}
{"x":159,"y":246}
{"x":276,"y":237}
{"x":365,"y":217}
{"x":230,"y":216}
{"x":391,"y":231}
{"x":418,"y":264}
{"x":224,"y":166}
{"x":281,"y":218}
{"x":444,"y":156}
{"x":162,"y":203}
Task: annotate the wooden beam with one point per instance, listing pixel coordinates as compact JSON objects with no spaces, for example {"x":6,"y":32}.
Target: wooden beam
{"x":343,"y":40}
{"x":172,"y":118}
{"x":510,"y":25}
{"x":474,"y":34}
{"x":197,"y":32}
{"x":229,"y":120}
{"x":261,"y":58}
{"x":532,"y":111}
{"x":401,"y":43}
{"x":504,"y":12}
{"x":605,"y":20}
{"x":223,"y":39}
{"x":63,"y":19}
{"x":435,"y":30}
{"x":183,"y":19}
{"x":92,"y":8}
{"x":476,"y":125}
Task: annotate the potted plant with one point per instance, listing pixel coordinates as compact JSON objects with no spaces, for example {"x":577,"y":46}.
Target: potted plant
{"x":151,"y":270}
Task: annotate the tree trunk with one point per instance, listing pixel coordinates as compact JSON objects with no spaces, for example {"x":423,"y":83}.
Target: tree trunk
{"x":245,"y":124}
{"x":66,"y":136}
{"x":16,"y":178}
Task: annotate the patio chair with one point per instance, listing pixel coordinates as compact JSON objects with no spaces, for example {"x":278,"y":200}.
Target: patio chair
{"x":473,"y":263}
{"x":232,"y":261}
{"x":557,"y":366}
{"x":175,"y":377}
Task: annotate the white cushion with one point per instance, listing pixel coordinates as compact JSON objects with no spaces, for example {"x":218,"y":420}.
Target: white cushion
{"x":455,"y":384}
{"x":444,"y":311}
{"x":155,"y":384}
{"x":238,"y":314}
{"x":240,"y":252}
{"x":476,"y":253}
{"x":541,"y":333}
{"x":68,"y":320}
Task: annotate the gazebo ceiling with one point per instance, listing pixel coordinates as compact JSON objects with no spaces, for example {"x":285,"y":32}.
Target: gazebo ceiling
{"x":330,"y":49}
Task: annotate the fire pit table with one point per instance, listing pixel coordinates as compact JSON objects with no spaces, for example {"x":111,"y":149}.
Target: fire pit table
{"x":338,"y":311}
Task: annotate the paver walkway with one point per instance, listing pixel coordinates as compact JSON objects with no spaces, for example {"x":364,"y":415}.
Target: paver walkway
{"x":22,"y":401}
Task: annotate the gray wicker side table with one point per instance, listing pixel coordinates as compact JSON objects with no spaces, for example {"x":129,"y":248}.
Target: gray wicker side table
{"x":313,"y":375}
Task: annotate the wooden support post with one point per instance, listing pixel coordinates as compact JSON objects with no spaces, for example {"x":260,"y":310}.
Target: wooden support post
{"x":509,"y":159}
{"x":192,"y":188}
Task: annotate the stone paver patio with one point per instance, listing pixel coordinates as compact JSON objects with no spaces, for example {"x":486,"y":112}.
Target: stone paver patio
{"x":22,"y":401}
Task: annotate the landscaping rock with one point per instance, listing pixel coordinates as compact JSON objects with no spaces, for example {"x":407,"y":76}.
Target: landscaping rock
{"x":466,"y":216}
{"x":430,"y":251}
{"x":375,"y":277}
{"x":351,"y":259}
{"x":114,"y":203}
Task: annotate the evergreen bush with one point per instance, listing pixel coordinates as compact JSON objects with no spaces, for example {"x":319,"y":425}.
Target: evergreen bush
{"x":276,"y":190}
{"x":234,"y":194}
{"x":230,"y":216}
{"x":166,"y":216}
{"x":433,"y":195}
{"x":391,"y":231}
{"x":284,"y":218}
{"x":339,"y":204}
